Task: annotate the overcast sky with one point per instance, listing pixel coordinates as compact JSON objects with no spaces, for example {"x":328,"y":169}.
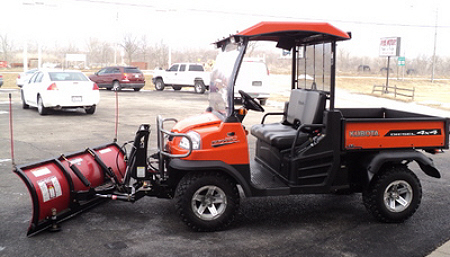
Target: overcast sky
{"x":198,"y":23}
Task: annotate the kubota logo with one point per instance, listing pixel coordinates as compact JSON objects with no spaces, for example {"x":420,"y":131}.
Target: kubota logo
{"x":364,"y":133}
{"x":225,"y":141}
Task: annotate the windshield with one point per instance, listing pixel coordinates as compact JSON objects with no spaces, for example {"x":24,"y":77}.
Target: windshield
{"x":222,"y":79}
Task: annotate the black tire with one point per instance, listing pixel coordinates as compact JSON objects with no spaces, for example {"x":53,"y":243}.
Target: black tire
{"x":201,"y":210}
{"x":394,"y":194}
{"x":24,"y":104}
{"x":137,"y":89}
{"x":263,"y":101}
{"x":90,"y":110}
{"x":199,"y":87}
{"x":176,"y":88}
{"x":116,"y":86}
{"x":159,"y":84}
{"x":42,"y":110}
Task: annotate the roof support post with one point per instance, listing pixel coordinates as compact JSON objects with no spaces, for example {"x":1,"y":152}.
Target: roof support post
{"x":294,"y":67}
{"x":333,"y":75}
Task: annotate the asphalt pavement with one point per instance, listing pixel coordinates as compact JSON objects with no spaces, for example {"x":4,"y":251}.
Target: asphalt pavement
{"x":306,"y":225}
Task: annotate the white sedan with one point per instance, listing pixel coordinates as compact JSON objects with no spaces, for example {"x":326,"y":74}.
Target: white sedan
{"x":59,"y":89}
{"x":24,"y":76}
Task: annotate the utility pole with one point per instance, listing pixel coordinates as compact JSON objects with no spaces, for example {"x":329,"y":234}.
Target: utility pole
{"x":434,"y":50}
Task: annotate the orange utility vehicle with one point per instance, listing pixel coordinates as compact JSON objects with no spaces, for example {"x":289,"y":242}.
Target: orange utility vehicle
{"x":204,"y":161}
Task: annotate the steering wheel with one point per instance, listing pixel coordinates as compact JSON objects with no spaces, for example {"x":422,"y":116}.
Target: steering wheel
{"x":250,"y":103}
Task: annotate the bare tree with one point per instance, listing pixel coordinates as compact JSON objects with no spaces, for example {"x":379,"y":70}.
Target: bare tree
{"x":7,"y":47}
{"x":143,"y":48}
{"x":130,"y":46}
{"x":99,"y":52}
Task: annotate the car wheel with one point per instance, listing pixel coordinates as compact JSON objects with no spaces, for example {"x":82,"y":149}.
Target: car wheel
{"x":176,"y":88}
{"x":24,"y":104}
{"x":393,"y":195}
{"x":207,"y":201}
{"x":116,"y":86}
{"x":159,"y":84}
{"x":137,"y":89}
{"x":90,"y":110}
{"x":42,"y":110}
{"x":199,"y":87}
{"x":263,"y":101}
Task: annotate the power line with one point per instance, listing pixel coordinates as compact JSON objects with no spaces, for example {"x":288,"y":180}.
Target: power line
{"x":224,"y":12}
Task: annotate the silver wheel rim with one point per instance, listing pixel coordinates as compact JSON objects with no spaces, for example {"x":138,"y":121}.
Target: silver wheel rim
{"x":116,"y":86}
{"x":158,"y":84}
{"x":398,"y":196}
{"x":209,"y":202}
{"x":198,"y":87}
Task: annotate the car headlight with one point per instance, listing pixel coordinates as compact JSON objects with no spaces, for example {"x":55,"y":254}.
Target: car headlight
{"x":195,"y":138}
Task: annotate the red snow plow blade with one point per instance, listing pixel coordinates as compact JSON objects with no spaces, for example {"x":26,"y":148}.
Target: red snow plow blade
{"x":63,"y":187}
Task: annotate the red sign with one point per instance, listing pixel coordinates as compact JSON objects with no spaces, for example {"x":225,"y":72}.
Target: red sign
{"x":390,"y":46}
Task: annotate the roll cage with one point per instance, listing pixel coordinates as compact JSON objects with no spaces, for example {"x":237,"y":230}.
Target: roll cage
{"x":311,"y":45}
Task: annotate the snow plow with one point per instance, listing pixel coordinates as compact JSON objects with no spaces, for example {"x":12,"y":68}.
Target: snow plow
{"x":203,"y":162}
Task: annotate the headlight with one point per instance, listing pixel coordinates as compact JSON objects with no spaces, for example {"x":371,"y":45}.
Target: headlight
{"x":195,"y":138}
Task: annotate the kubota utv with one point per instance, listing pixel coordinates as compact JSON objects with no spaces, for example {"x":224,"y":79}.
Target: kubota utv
{"x":204,"y":162}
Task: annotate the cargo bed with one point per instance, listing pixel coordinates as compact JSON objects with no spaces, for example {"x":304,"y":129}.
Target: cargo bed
{"x":382,"y":128}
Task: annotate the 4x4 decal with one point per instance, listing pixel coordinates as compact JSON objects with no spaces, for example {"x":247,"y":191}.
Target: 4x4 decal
{"x":406,"y":133}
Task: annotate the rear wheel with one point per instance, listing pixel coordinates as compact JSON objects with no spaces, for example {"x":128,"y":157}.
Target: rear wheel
{"x":159,"y":84}
{"x":116,"y":86}
{"x":137,"y":89}
{"x":42,"y":110}
{"x":176,"y":88}
{"x":90,"y":110}
{"x":394,"y":194}
{"x":199,"y":87}
{"x":207,"y":201}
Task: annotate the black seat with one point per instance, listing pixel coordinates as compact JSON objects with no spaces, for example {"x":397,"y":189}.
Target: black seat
{"x":305,"y":107}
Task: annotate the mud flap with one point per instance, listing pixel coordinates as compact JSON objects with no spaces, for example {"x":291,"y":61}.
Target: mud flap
{"x":63,"y":187}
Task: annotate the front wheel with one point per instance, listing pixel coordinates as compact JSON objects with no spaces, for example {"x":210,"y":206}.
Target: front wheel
{"x":394,"y":194}
{"x":207,"y":201}
{"x":24,"y":103}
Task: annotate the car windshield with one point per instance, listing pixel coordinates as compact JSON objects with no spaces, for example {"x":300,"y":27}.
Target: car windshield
{"x":67,"y":76}
{"x":222,"y":79}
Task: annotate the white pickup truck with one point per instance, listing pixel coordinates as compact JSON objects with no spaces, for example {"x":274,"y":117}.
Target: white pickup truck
{"x":182,"y":75}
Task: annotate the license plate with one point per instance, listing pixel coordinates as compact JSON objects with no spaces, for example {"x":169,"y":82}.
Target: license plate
{"x":76,"y":99}
{"x":257,"y":83}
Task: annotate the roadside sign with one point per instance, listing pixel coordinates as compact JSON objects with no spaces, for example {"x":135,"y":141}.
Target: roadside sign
{"x":390,"y":46}
{"x":401,"y":61}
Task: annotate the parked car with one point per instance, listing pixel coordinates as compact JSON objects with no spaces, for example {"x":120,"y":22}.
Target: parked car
{"x":1,"y":80}
{"x":253,"y":79}
{"x":182,"y":75}
{"x":60,"y":89}
{"x":24,"y":76}
{"x":119,"y":77}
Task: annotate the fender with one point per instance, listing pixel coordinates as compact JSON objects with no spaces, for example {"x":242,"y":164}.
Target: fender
{"x":376,"y":161}
{"x":186,"y":165}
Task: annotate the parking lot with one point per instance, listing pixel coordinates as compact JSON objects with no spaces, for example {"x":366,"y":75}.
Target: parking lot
{"x":306,"y":225}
